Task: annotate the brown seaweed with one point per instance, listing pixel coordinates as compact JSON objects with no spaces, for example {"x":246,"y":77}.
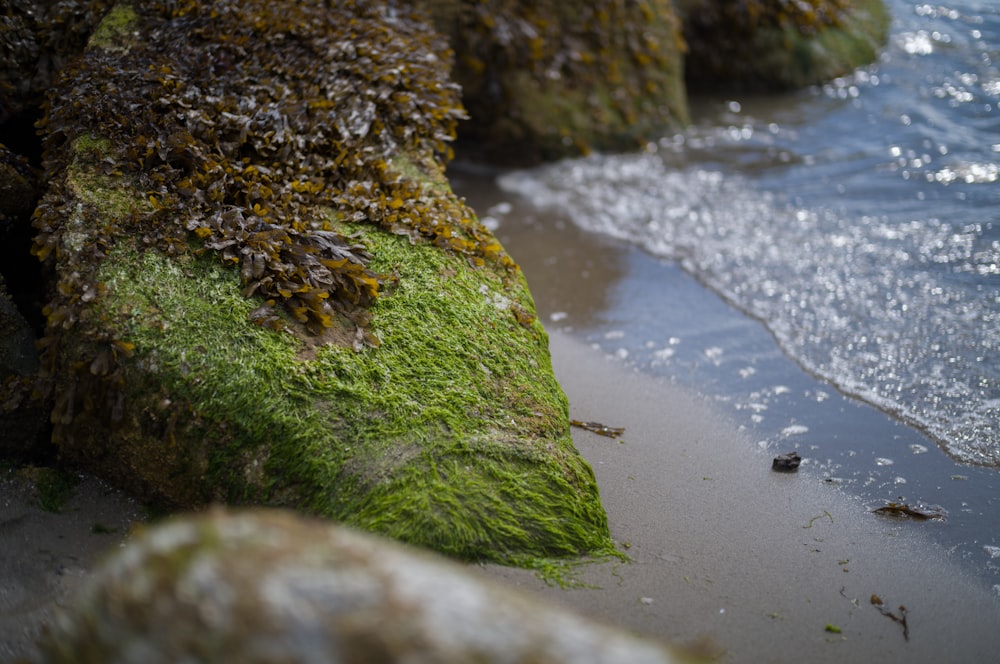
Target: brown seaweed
{"x":905,"y":511}
{"x":901,"y":618}
{"x":262,"y":156}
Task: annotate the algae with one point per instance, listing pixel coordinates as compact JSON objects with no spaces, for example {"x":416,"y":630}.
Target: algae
{"x":116,"y":29}
{"x":452,"y":434}
{"x":37,"y":39}
{"x":54,"y":486}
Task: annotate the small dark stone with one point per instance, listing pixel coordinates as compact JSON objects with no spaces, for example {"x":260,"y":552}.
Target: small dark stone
{"x":786,"y":463}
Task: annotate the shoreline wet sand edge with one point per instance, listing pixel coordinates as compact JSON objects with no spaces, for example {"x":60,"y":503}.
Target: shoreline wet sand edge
{"x":757,"y":565}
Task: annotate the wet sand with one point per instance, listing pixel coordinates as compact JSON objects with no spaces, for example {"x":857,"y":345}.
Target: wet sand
{"x":757,"y":566}
{"x":45,"y":555}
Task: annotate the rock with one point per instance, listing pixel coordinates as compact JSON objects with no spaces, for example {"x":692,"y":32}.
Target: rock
{"x":268,"y":586}
{"x":22,"y":421}
{"x":544,"y":79}
{"x":267,"y":294}
{"x":768,"y":45}
{"x":786,"y":463}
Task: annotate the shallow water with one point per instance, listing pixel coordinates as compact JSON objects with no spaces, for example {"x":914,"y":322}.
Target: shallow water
{"x":858,"y":222}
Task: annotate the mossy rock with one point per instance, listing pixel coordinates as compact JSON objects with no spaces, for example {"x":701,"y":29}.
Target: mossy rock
{"x":267,"y":294}
{"x":774,"y":45}
{"x":451,"y":434}
{"x":544,"y":79}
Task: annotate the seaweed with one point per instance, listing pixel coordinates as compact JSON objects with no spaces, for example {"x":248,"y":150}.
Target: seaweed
{"x":905,"y":511}
{"x":816,"y":518}
{"x":879,"y":604}
{"x":804,"y":16}
{"x":545,"y":80}
{"x":36,"y":40}
{"x":217,"y":145}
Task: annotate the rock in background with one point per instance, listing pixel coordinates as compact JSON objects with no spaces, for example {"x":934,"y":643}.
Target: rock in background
{"x":544,"y":79}
{"x":771,"y":45}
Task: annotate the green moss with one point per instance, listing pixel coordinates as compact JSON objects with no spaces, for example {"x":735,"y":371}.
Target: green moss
{"x":451,"y":434}
{"x":415,"y":170}
{"x":403,"y":387}
{"x":113,"y":196}
{"x":116,"y":30}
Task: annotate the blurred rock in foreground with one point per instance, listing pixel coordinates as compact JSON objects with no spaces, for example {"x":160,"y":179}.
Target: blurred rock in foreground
{"x":268,"y":586}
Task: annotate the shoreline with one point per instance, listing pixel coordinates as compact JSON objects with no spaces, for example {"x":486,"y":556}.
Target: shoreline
{"x":743,"y":561}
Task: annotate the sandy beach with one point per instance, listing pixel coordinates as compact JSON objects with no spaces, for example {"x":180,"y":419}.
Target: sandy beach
{"x":45,"y":555}
{"x":754,"y":565}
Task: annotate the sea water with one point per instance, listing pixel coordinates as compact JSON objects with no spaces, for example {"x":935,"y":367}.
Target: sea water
{"x":854,"y":226}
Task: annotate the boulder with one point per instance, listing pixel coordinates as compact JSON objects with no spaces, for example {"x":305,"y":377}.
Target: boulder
{"x":268,"y":586}
{"x":772,"y":45}
{"x":544,"y":79}
{"x":267,"y":294}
